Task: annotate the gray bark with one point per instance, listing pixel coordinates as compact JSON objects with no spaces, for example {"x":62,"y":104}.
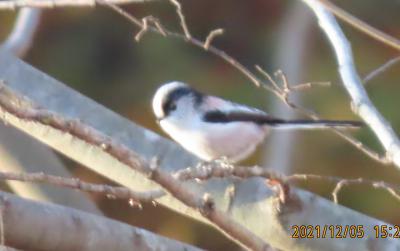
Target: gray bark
{"x":31,"y":225}
{"x":254,"y":204}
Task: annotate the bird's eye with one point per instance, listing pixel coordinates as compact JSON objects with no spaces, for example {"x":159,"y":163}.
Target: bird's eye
{"x":172,"y":107}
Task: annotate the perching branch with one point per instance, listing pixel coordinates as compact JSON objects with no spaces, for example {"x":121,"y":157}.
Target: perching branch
{"x":361,"y":103}
{"x":217,"y":170}
{"x":14,"y":105}
{"x":251,"y":195}
{"x":282,"y":93}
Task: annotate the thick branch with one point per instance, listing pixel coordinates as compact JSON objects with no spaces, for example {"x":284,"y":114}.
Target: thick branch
{"x":20,"y":152}
{"x":361,"y":103}
{"x":30,"y":225}
{"x":253,"y":205}
{"x":17,"y":106}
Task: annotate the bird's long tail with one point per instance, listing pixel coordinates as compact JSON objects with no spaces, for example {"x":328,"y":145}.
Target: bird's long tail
{"x":314,"y":124}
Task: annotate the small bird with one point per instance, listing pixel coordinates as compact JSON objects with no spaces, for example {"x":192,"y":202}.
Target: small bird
{"x":213,"y":128}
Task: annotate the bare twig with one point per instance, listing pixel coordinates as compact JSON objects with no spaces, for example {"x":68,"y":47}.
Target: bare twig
{"x":211,"y":36}
{"x":339,"y":187}
{"x":361,"y":25}
{"x":282,"y":93}
{"x":285,"y":93}
{"x":381,"y":69}
{"x":306,"y":86}
{"x":185,"y":29}
{"x":50,"y":4}
{"x":195,"y":42}
{"x":12,"y":104}
{"x":222,"y":170}
{"x":341,"y":182}
{"x":75,"y":183}
{"x":269,"y":78}
{"x":225,"y":170}
{"x":145,"y":27}
{"x":21,"y":37}
{"x":361,"y":103}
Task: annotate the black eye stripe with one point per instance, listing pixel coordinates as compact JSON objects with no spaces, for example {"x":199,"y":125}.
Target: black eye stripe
{"x":169,"y":103}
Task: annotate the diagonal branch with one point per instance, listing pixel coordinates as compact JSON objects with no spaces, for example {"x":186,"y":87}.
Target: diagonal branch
{"x":20,"y":39}
{"x":282,"y":94}
{"x":361,"y":103}
{"x":373,"y":74}
{"x":31,"y":225}
{"x":75,"y":183}
{"x":251,"y":201}
{"x":17,"y":106}
{"x":361,"y":25}
{"x":50,"y":4}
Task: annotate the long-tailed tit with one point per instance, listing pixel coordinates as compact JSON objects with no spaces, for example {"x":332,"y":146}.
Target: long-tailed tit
{"x":213,"y":128}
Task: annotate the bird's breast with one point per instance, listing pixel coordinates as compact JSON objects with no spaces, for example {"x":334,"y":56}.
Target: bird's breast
{"x":211,"y":141}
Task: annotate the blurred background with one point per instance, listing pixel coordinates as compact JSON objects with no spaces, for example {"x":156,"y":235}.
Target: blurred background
{"x":93,"y":51}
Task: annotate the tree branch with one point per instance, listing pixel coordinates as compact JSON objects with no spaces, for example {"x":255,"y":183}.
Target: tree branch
{"x":373,"y":74}
{"x":361,"y":103}
{"x":20,"y":152}
{"x":251,"y":195}
{"x":75,"y":183}
{"x":290,"y":48}
{"x":21,"y":37}
{"x":282,"y":93}
{"x":393,"y":190}
{"x":30,"y":225}
{"x":17,"y":106}
{"x":361,"y":25}
{"x":50,"y":4}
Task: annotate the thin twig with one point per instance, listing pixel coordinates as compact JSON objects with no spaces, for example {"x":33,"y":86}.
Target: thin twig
{"x":341,"y":182}
{"x":269,"y":78}
{"x":20,"y":39}
{"x":50,"y":4}
{"x":211,"y":36}
{"x":306,"y":86}
{"x":145,"y":27}
{"x":381,"y":69}
{"x":184,"y":26}
{"x":339,"y":187}
{"x":361,"y":103}
{"x":311,"y":114}
{"x":361,"y":25}
{"x":195,"y":42}
{"x":225,"y":170}
{"x":75,"y":183}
